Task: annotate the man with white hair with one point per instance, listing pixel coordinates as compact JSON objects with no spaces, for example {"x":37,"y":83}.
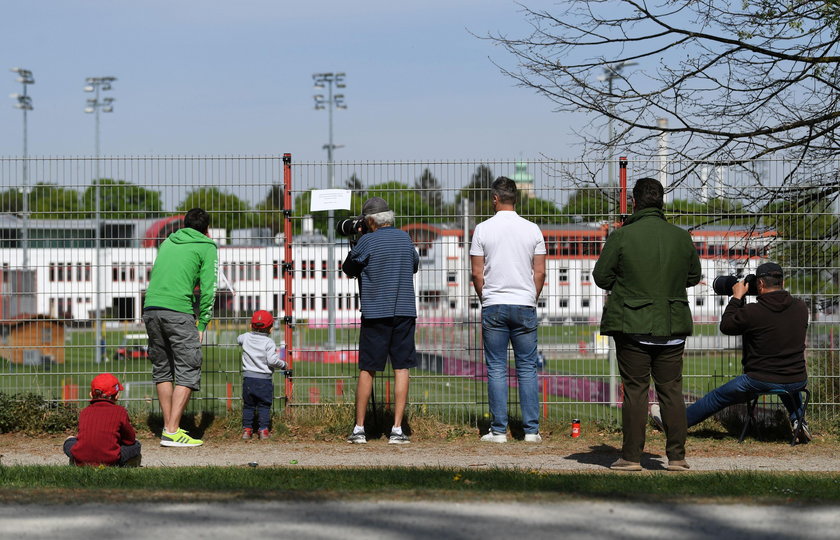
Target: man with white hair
{"x":384,"y":261}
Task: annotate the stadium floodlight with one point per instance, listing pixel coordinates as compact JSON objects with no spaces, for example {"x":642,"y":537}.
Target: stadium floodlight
{"x":94,"y":106}
{"x":24,"y":103}
{"x":332,"y":101}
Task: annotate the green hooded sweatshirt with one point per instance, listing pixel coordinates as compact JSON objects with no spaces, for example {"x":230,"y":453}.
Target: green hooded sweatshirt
{"x":186,"y":259}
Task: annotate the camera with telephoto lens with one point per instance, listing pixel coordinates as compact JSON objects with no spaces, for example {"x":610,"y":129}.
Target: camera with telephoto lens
{"x":353,"y":227}
{"x":722,"y":285}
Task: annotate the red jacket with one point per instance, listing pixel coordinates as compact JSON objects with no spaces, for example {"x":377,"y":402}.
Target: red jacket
{"x":103,"y":427}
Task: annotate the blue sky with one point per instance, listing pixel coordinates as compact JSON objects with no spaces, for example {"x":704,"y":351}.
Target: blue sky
{"x":234,"y":78}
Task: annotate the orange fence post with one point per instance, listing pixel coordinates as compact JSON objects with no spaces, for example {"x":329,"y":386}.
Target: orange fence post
{"x":69,"y":390}
{"x":229,"y":396}
{"x":339,"y":387}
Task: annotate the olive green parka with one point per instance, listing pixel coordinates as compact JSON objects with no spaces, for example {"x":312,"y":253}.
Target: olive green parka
{"x":647,"y":265}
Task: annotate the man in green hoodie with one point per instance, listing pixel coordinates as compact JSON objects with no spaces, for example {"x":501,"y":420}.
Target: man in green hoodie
{"x":646,"y":265}
{"x":186,"y":259}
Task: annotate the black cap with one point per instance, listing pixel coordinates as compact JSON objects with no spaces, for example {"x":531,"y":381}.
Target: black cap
{"x":374,"y":205}
{"x":769,"y":269}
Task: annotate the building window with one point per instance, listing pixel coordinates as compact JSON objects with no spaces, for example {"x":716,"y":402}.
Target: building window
{"x":563,"y":302}
{"x":584,"y":302}
{"x":699,"y":301}
{"x":324,"y":269}
{"x":585,"y":277}
{"x":541,"y":303}
{"x":312,"y":269}
{"x":562,"y":274}
{"x":52,"y":271}
{"x":275,"y":269}
{"x":324,"y":302}
{"x":452,"y":277}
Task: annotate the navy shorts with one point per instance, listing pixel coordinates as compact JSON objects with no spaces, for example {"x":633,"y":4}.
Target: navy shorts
{"x":389,"y":337}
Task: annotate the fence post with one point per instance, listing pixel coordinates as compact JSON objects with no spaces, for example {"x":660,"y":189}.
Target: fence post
{"x":288,"y":274}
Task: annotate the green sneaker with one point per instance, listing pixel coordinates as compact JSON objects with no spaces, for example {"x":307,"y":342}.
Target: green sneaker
{"x":179,"y":438}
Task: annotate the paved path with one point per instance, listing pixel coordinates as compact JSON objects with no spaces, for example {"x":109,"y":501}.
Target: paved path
{"x":409,"y":520}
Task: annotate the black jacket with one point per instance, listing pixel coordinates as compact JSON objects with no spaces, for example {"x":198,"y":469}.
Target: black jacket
{"x":774,"y":331}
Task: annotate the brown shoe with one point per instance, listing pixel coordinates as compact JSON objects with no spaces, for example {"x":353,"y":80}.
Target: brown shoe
{"x":679,"y":465}
{"x":622,"y":464}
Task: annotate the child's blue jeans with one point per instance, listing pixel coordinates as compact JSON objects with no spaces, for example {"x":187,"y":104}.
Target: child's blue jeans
{"x":257,"y":396}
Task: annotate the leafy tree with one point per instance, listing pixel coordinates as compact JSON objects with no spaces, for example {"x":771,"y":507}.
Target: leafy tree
{"x":736,"y":80}
{"x":590,"y":204}
{"x":11,"y":201}
{"x":540,"y":211}
{"x":717,"y":211}
{"x":50,"y":201}
{"x":226,"y":211}
{"x":408,"y":205}
{"x":119,"y":199}
{"x":430,"y":190}
{"x":478,"y":193}
{"x":806,"y":230}
{"x":354,"y":183}
{"x":270,"y":210}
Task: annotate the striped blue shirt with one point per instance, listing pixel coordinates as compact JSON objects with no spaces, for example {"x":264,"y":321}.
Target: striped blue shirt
{"x":386,"y":283}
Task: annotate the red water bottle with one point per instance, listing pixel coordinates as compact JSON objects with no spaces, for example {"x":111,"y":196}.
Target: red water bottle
{"x":576,"y":428}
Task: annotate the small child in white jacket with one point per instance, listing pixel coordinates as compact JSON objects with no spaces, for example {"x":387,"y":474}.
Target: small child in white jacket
{"x":259,"y":360}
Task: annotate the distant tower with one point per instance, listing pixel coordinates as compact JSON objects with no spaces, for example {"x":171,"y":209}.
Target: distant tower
{"x":524,"y":180}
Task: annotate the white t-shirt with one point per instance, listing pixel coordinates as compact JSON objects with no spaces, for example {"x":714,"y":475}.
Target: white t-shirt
{"x":508,"y":244}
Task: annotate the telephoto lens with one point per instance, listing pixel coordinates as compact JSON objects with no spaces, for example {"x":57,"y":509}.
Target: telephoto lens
{"x":351,"y":227}
{"x":722,"y":285}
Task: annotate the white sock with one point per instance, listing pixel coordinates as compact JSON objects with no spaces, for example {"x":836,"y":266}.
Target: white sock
{"x":358,"y":429}
{"x":396,"y":430}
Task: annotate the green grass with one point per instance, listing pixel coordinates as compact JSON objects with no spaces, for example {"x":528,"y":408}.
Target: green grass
{"x":35,"y":482}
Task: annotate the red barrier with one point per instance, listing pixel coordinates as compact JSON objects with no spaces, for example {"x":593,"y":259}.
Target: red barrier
{"x":229,"y":396}
{"x":314,"y":394}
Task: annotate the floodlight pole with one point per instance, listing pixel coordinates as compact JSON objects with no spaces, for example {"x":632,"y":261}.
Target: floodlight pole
{"x":24,"y":103}
{"x":332,"y":101}
{"x":94,"y":84}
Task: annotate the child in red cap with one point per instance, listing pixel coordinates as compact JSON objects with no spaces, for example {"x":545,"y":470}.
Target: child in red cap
{"x":259,"y":360}
{"x":106,"y":436}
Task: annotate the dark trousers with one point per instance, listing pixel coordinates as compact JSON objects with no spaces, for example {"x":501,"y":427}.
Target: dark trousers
{"x":637,"y":363}
{"x":129,"y":454}
{"x":257,"y":395}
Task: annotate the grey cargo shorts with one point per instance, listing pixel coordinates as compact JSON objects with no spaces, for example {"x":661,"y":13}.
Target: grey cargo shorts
{"x":174,"y":348}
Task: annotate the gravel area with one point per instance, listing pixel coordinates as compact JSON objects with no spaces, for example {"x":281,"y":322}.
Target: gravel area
{"x":559,"y":453}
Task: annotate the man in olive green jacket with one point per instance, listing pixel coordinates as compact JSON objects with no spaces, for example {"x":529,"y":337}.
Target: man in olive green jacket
{"x":186,"y":259}
{"x":647,"y":265}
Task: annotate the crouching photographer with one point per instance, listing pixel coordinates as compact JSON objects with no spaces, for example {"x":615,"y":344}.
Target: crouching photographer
{"x":773,"y":330}
{"x":384,"y":260}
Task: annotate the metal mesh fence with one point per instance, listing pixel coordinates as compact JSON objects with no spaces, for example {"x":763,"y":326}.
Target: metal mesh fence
{"x":74,"y":272}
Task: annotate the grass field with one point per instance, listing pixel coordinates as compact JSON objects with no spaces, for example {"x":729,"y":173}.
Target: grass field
{"x":61,"y":484}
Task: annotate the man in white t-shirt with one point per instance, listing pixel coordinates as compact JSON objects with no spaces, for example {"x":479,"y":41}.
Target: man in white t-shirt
{"x":508,"y":271}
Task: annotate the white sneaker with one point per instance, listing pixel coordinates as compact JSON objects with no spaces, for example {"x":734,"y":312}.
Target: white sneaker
{"x":656,"y":416}
{"x":533,"y":437}
{"x":492,"y":436}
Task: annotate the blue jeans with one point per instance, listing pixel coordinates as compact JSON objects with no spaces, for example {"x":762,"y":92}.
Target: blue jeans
{"x":517,"y":325}
{"x":742,"y":389}
{"x":257,"y":395}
